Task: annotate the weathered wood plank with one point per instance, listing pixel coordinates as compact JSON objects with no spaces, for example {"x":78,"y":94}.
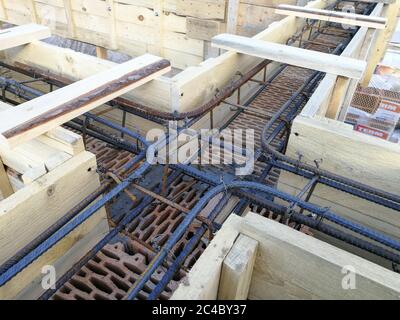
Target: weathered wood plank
{"x":332,"y":16}
{"x":42,"y":114}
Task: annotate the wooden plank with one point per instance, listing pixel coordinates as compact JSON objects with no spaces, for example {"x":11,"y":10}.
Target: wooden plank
{"x":203,"y":280}
{"x":350,"y":154}
{"x":63,"y":140}
{"x":101,"y":53}
{"x":338,"y":95}
{"x":196,"y":86}
{"x":381,"y":40}
{"x":202,"y":29}
{"x":292,"y":265}
{"x":63,"y":256}
{"x":5,"y":185}
{"x":332,"y":16}
{"x":58,"y":138}
{"x":233,"y":16}
{"x":237,"y":270}
{"x":35,"y":158}
{"x":343,"y":66}
{"x":75,"y":66}
{"x":17,"y":36}
{"x":32,"y":9}
{"x":203,"y":9}
{"x":42,"y":114}
{"x":320,"y":101}
{"x":70,"y":18}
{"x":31,"y":210}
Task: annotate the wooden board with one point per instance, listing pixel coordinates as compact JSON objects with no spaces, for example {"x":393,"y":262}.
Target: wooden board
{"x":332,"y":16}
{"x":329,"y":63}
{"x":20,"y":35}
{"x":288,"y":265}
{"x":292,"y":265}
{"x":75,"y":66}
{"x":203,"y":281}
{"x":237,"y":270}
{"x":42,"y":114}
{"x":202,"y":29}
{"x":31,"y":210}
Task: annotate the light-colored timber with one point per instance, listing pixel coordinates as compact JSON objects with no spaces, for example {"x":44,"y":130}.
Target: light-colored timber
{"x":42,"y":114}
{"x":13,"y":37}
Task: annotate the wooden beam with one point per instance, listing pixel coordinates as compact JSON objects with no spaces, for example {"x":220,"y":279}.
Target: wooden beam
{"x":233,"y":16}
{"x":203,"y":280}
{"x":5,"y":185}
{"x":237,"y":270}
{"x":32,"y":9}
{"x":338,"y":95}
{"x":343,"y":66}
{"x":75,"y":66}
{"x":376,"y":1}
{"x":380,"y":41}
{"x":33,"y":118}
{"x":332,"y":16}
{"x":70,"y":19}
{"x":346,"y":152}
{"x":35,"y":158}
{"x":113,"y":24}
{"x":25,"y":34}
{"x":32,"y":210}
{"x":292,"y":265}
{"x":324,"y":96}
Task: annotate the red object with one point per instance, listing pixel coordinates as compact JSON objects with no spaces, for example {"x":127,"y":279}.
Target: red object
{"x":372,"y":132}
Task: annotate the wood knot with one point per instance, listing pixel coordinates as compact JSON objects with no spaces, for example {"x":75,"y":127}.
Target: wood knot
{"x":51,"y":190}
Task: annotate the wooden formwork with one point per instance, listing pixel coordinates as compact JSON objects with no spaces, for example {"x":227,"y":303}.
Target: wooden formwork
{"x":343,"y":151}
{"x":259,"y":259}
{"x":42,"y":179}
{"x":49,"y":176}
{"x":319,"y":134}
{"x":45,"y":170}
{"x":179,"y":30}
